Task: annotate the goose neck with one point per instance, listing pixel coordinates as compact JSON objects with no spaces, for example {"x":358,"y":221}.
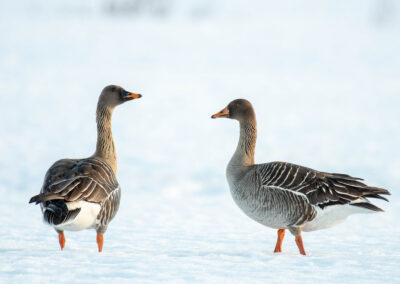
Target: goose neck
{"x":244,"y":154}
{"x":105,"y":148}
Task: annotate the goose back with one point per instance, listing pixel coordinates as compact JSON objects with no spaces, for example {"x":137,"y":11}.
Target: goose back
{"x":91,"y":180}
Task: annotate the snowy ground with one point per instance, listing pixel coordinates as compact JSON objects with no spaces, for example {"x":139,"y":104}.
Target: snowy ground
{"x":324,"y":80}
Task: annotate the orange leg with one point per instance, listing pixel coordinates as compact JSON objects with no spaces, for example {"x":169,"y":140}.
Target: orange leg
{"x":299,"y":243}
{"x":100,"y":242}
{"x":61,"y":240}
{"x":281,"y":235}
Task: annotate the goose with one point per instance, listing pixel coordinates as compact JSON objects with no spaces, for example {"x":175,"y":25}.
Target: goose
{"x":79,"y":194}
{"x":282,"y":195}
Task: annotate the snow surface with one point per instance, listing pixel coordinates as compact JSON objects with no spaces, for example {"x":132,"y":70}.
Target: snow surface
{"x":323,"y":77}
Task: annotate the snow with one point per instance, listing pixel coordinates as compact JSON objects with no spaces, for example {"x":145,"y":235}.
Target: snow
{"x":323,"y":77}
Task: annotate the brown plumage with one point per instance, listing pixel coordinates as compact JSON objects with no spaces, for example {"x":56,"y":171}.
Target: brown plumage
{"x":84,"y":193}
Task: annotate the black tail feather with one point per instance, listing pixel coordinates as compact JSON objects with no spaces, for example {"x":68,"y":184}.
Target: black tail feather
{"x":45,"y":197}
{"x":353,"y":186}
{"x":367,"y":205}
{"x":56,"y":212}
{"x":377,"y":196}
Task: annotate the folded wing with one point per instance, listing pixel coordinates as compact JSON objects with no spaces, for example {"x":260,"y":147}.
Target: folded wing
{"x":322,"y":189}
{"x":89,"y":179}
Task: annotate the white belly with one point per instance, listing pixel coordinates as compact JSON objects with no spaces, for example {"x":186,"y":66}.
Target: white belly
{"x":332,"y":215}
{"x":87,"y":217}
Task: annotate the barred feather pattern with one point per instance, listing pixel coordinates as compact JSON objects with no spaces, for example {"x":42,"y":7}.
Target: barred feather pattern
{"x":108,"y":210}
{"x":91,"y":180}
{"x":321,"y":189}
{"x":285,"y":195}
{"x":271,"y":206}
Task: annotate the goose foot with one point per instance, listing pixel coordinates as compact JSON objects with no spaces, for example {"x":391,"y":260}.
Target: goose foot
{"x":281,"y":235}
{"x":61,"y":240}
{"x":299,"y":243}
{"x":100,"y":241}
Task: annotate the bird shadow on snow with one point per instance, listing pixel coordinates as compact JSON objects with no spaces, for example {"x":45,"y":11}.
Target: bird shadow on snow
{"x":191,"y":253}
{"x":238,"y":253}
{"x":26,"y":251}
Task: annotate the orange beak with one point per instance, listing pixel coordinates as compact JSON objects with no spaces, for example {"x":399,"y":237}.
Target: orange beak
{"x":132,"y":96}
{"x":127,"y":96}
{"x":222,"y":113}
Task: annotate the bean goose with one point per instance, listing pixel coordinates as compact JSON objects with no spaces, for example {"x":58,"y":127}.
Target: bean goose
{"x":287,"y":196}
{"x":79,"y":194}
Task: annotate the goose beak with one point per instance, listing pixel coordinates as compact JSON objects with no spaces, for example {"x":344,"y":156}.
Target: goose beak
{"x":127,"y":96}
{"x":222,"y":113}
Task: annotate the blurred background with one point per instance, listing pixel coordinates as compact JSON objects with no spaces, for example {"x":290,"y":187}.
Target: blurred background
{"x":323,"y":77}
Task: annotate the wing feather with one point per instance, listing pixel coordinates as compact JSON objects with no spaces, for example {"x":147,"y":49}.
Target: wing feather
{"x":322,"y":189}
{"x":73,"y":180}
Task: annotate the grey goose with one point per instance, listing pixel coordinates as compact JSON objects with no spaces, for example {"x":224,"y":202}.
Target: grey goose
{"x":80,"y":194}
{"x":287,"y":196}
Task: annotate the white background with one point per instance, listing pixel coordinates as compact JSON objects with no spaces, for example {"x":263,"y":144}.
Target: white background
{"x":323,"y":77}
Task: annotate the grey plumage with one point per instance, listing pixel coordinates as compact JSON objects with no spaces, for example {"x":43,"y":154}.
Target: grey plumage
{"x":288,"y":196}
{"x":320,"y":188}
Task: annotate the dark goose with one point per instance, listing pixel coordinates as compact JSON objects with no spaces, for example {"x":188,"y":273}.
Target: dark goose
{"x":80,"y":194}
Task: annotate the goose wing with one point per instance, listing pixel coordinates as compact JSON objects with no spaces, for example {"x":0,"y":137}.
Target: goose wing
{"x":89,"y":179}
{"x":322,"y":189}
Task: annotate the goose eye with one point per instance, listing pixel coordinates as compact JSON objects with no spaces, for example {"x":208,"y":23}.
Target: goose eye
{"x":113,"y":89}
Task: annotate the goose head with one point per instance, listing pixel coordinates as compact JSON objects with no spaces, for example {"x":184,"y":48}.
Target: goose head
{"x":113,"y":96}
{"x":239,"y":109}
